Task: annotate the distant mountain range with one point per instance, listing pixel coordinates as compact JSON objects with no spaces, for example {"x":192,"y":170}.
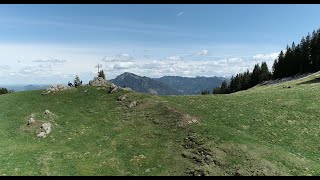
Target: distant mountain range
{"x":185,"y":85}
{"x":143,"y":84}
{"x":167,"y":85}
{"x":24,"y":87}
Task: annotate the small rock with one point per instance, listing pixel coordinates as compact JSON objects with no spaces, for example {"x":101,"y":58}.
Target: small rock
{"x":132,"y":104}
{"x":41,"y":135}
{"x":122,"y":98}
{"x":114,"y":90}
{"x":31,"y":121}
{"x":48,"y":112}
{"x":46,"y":127}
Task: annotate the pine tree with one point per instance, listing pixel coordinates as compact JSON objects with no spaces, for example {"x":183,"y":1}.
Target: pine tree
{"x":101,"y":74}
{"x":216,"y":90}
{"x":317,"y":52}
{"x":224,"y":88}
{"x":275,"y":69}
{"x":255,"y":77}
{"x":246,"y":80}
{"x":265,"y":74}
{"x":77,"y":81}
{"x":5,"y":91}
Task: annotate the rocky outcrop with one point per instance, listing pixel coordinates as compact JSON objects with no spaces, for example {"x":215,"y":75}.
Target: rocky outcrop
{"x":99,"y":81}
{"x":56,"y":88}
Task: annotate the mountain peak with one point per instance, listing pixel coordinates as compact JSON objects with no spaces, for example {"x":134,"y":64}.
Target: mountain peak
{"x":142,"y":84}
{"x":128,"y":74}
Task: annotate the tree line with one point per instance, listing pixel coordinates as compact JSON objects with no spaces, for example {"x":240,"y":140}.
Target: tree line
{"x":297,"y":59}
{"x":5,"y":91}
{"x":246,"y":80}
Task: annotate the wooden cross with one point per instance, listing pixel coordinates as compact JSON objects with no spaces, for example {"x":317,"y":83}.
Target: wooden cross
{"x":98,"y":66}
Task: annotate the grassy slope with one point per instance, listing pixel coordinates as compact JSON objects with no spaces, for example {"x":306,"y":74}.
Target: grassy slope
{"x":267,"y":130}
{"x":94,"y":135}
{"x":272,"y":128}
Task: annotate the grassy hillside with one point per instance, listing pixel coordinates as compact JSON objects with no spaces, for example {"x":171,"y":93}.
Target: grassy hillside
{"x":92,"y":134}
{"x":271,"y":130}
{"x":267,"y":130}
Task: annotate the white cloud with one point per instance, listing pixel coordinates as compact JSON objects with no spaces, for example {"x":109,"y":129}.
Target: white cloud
{"x":189,"y":68}
{"x":268,"y":58}
{"x":37,"y":66}
{"x":124,"y":65}
{"x":272,"y":56}
{"x":175,"y":58}
{"x":55,"y":61}
{"x":4,"y":67}
{"x":203,"y":52}
{"x":119,"y":58}
{"x":180,"y":13}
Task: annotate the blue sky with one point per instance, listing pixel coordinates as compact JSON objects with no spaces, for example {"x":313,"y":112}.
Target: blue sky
{"x":53,"y":43}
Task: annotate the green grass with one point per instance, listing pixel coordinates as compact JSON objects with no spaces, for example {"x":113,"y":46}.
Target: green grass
{"x":268,"y":123}
{"x":267,"y":130}
{"x":94,"y":135}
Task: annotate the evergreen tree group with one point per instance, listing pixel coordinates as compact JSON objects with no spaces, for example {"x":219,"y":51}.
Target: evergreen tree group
{"x":246,"y":80}
{"x":5,"y":91}
{"x":205,"y":92}
{"x":101,"y":74}
{"x":297,"y":59}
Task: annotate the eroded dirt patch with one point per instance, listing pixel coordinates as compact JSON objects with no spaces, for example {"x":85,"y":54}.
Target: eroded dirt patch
{"x":227,"y":159}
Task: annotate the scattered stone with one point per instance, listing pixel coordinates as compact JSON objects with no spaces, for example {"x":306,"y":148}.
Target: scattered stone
{"x":122,"y":98}
{"x":276,"y":81}
{"x":132,"y":104}
{"x":46,"y":127}
{"x":56,"y":88}
{"x":31,"y":121}
{"x":114,"y":90}
{"x":48,"y":112}
{"x":41,"y":135}
{"x":199,"y":172}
